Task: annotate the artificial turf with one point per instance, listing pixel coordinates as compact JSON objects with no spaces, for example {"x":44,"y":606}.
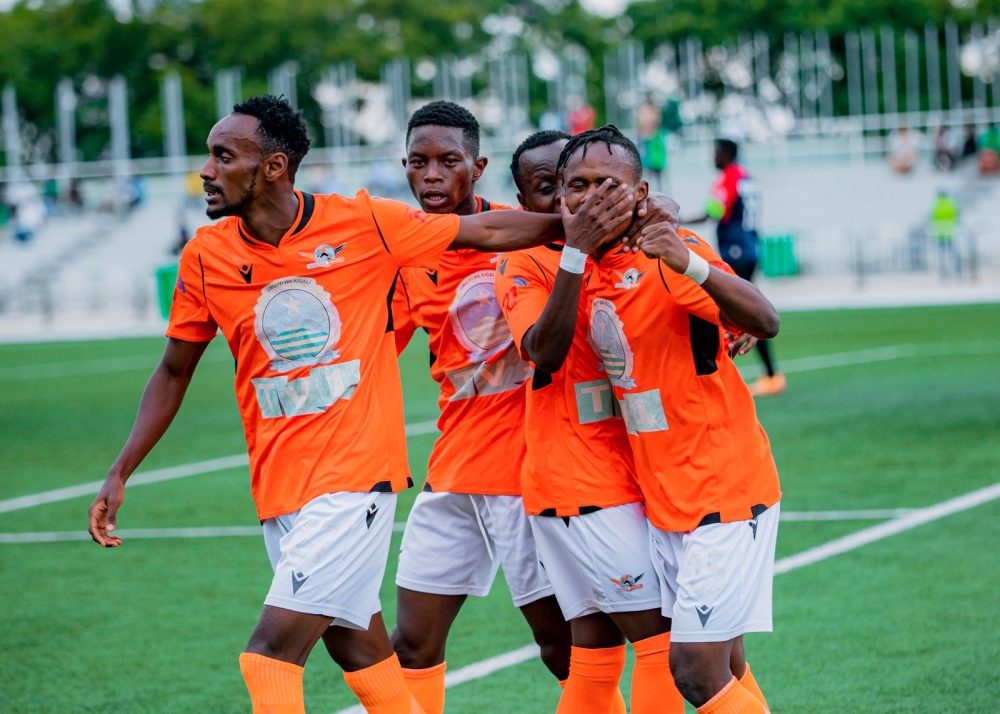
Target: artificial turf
{"x":908,"y":624}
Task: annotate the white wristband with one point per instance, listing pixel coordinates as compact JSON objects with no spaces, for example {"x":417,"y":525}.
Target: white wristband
{"x":698,"y":268}
{"x":573,"y":260}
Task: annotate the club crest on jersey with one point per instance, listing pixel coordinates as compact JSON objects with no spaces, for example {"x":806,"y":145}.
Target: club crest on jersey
{"x":607,"y":336}
{"x":297,"y":324}
{"x":477,"y":319}
{"x":629,"y":279}
{"x":324,"y":256}
{"x":626,"y":583}
{"x":519,"y":281}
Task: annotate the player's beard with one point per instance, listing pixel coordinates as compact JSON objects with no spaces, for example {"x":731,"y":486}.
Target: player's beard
{"x":237,"y":208}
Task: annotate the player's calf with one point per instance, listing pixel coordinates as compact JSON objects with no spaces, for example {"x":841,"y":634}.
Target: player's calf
{"x":700,"y":669}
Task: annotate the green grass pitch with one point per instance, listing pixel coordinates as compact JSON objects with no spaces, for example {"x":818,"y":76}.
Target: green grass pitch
{"x":908,"y":624}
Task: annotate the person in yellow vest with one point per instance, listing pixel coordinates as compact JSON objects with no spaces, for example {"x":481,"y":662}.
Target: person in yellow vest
{"x":943,"y":227}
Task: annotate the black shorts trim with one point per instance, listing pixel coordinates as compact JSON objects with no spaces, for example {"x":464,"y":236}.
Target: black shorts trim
{"x":386,"y":486}
{"x":713,"y":518}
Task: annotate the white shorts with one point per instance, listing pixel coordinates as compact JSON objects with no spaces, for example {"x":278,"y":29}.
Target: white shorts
{"x":599,"y":562}
{"x":329,"y":557}
{"x":716,"y":580}
{"x":455,"y":542}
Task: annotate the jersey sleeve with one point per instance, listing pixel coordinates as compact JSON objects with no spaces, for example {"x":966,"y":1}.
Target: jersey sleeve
{"x":523,"y":288}
{"x":402,"y":316}
{"x":688,"y":294}
{"x":413,"y":238}
{"x":190,"y":318}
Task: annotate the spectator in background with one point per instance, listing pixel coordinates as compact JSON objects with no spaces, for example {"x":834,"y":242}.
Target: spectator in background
{"x":581,"y":116}
{"x":652,"y":142}
{"x":944,"y":227}
{"x":903,"y":149}
{"x":734,"y":201}
{"x":969,"y":147}
{"x":29,"y":210}
{"x":988,"y":151}
{"x":945,"y":150}
{"x":74,"y":197}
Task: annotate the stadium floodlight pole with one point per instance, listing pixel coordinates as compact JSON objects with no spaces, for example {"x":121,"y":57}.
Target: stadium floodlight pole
{"x":121,"y":149}
{"x":12,"y":133}
{"x":869,"y":67}
{"x":282,"y":81}
{"x":954,"y":72}
{"x":762,"y":61}
{"x":825,"y":60}
{"x":992,"y":30}
{"x":890,"y":97}
{"x":66,"y":126}
{"x":790,"y":65}
{"x":228,"y":90}
{"x":912,"y":42}
{"x":174,"y":137}
{"x":978,"y":85}
{"x":932,"y":40}
{"x":807,"y":67}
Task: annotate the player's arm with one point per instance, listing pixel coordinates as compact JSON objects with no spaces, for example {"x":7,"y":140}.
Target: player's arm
{"x":504,"y":231}
{"x":741,"y":304}
{"x":159,"y":404}
{"x":549,"y":339}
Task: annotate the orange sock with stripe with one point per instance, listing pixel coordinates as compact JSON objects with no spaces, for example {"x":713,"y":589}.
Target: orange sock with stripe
{"x":653,"y":688}
{"x":381,"y":689}
{"x":427,"y":687}
{"x":593,"y":680}
{"x":750,"y":684}
{"x":275,"y":687}
{"x":733,"y":699}
{"x":617,"y":704}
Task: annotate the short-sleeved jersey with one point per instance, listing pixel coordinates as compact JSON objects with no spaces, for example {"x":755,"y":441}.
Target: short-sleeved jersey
{"x":308,"y":322}
{"x":578,"y":455}
{"x":477,"y":367}
{"x":701,"y":455}
{"x":735,"y":201}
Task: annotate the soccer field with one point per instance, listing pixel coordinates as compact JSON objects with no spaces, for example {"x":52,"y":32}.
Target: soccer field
{"x":886,"y":410}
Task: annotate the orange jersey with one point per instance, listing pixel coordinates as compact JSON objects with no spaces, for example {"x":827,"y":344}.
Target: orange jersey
{"x":578,"y":457}
{"x":478,"y":368}
{"x":308,"y":322}
{"x":700,"y":453}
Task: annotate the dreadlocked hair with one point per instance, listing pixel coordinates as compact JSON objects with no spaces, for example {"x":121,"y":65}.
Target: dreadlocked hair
{"x":609,"y":135}
{"x":539,"y":138}
{"x":442,"y":113}
{"x":281,"y":129}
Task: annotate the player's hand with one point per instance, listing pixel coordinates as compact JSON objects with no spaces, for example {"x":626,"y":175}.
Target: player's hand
{"x":104,"y":512}
{"x":661,"y":241}
{"x":739,"y":343}
{"x":655,"y":208}
{"x":600,"y":218}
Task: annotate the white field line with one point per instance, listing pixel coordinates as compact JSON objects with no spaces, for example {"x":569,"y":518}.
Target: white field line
{"x":397,"y":527}
{"x":110,"y":365}
{"x":167,"y":474}
{"x":877,"y":354}
{"x":917,"y":517}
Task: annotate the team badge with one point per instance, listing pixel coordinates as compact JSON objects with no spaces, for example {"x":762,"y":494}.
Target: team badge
{"x":297,"y":324}
{"x":626,"y":583}
{"x":477,"y":318}
{"x":607,"y":337}
{"x":325,"y":256}
{"x":519,"y":281}
{"x":629,"y":279}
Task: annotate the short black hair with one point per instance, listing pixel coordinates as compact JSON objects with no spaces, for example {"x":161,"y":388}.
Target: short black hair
{"x":281,"y":129}
{"x":609,"y":135}
{"x":442,"y":113}
{"x":539,"y":138}
{"x":730,"y":147}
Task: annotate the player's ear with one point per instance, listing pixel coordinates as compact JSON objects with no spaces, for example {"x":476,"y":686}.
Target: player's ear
{"x":520,"y":200}
{"x":275,"y":166}
{"x":404,"y":162}
{"x":641,"y":190}
{"x":478,"y":166}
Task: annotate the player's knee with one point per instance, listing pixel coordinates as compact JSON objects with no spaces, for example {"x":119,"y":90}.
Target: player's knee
{"x":697,"y":680}
{"x":416,"y":651}
{"x":555,"y":656}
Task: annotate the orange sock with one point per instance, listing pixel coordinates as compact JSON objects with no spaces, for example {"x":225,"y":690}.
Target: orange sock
{"x":381,"y":689}
{"x":275,"y":687}
{"x":593,"y":680}
{"x":617,"y":704}
{"x":653,"y":688}
{"x":427,"y":687}
{"x":750,"y":684}
{"x":733,"y":699}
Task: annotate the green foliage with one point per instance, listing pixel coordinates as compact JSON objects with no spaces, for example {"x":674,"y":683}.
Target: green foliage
{"x":45,"y":40}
